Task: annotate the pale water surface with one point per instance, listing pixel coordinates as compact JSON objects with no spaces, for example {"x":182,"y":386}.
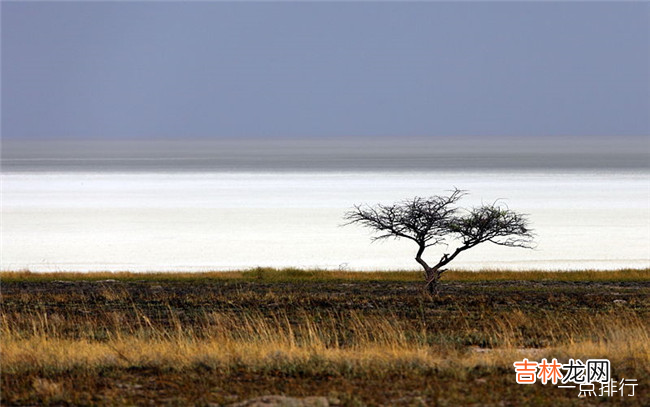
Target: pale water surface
{"x":230,"y":220}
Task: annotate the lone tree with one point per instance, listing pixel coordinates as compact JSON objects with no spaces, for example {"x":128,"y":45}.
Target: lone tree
{"x":437,"y":220}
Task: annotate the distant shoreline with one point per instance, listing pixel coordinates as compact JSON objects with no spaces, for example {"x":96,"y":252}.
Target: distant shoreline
{"x":316,"y":163}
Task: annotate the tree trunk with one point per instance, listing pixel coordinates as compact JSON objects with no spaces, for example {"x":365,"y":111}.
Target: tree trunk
{"x":431,"y":275}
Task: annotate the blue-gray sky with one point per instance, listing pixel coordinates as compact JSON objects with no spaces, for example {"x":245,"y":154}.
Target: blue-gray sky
{"x":285,"y":69}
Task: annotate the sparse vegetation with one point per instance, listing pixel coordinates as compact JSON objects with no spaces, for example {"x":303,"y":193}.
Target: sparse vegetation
{"x":294,"y":274}
{"x":358,"y":338}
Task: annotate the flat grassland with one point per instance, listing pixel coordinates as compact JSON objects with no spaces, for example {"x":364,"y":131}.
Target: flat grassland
{"x":353,"y":338}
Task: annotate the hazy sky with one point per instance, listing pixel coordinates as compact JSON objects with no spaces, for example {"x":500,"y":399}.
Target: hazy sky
{"x":284,"y":69}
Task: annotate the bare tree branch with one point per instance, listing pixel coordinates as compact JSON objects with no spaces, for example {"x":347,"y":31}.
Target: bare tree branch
{"x":493,"y":223}
{"x":419,"y":219}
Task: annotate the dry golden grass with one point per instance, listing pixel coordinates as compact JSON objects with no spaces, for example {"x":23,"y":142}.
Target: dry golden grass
{"x":339,"y":342}
{"x":188,"y":340}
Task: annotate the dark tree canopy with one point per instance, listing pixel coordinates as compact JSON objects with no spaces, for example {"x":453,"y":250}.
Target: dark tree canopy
{"x":437,"y":220}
